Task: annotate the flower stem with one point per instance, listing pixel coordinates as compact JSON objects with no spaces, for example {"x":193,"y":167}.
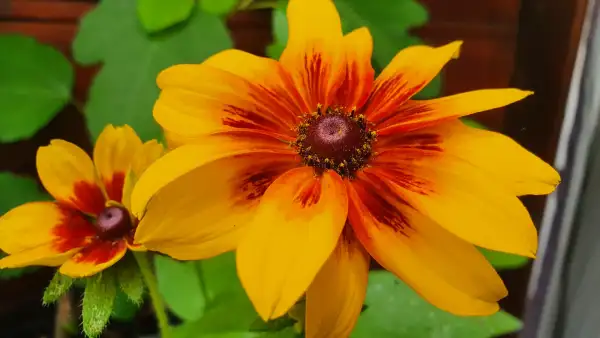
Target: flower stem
{"x":157,"y":302}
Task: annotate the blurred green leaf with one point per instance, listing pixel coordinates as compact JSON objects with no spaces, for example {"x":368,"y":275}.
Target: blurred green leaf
{"x":124,"y":91}
{"x":58,"y":286}
{"x":472,"y":123}
{"x":180,"y":285}
{"x":35,"y":84}
{"x":504,"y":261}
{"x":18,"y":190}
{"x":98,"y":301}
{"x":387,"y":20}
{"x":395,"y":310}
{"x":218,"y":7}
{"x":228,"y":309}
{"x":124,"y":309}
{"x":156,"y":15}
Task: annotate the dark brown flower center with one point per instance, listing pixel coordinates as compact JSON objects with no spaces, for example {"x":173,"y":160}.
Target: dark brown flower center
{"x":113,"y":222}
{"x":336,"y":140}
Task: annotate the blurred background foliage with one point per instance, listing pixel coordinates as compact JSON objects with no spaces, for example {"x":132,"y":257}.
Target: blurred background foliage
{"x":133,"y":41}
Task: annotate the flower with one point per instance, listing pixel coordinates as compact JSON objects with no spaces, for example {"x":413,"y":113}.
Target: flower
{"x":309,"y":167}
{"x":88,"y":228}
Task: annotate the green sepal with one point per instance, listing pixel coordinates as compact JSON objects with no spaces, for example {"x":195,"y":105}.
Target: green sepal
{"x":130,"y":279}
{"x":98,"y":302}
{"x":59,"y":285}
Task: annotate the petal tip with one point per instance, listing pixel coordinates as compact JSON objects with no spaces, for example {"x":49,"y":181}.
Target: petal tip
{"x":455,"y":46}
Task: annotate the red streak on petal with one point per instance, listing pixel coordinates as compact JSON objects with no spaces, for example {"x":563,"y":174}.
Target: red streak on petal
{"x":313,"y":82}
{"x":388,"y":96}
{"x":309,"y":194}
{"x":100,"y":252}
{"x":73,"y":231}
{"x":251,"y":184}
{"x":382,"y":202}
{"x":243,"y":118}
{"x":114,"y":187}
{"x":348,"y":235}
{"x":87,"y":197}
{"x":414,"y":141}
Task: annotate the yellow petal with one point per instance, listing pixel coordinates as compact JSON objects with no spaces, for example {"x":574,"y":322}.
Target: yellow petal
{"x":445,"y":270}
{"x":229,"y":91}
{"x":44,"y":255}
{"x":359,"y":73}
{"x":517,"y":169}
{"x":46,"y":224}
{"x":113,"y":155}
{"x":463,"y":199}
{"x":294,"y":231}
{"x":419,"y":114}
{"x":94,"y":258}
{"x":315,"y":54}
{"x":68,"y":174}
{"x":205,"y":212}
{"x":408,"y":72}
{"x":184,"y":159}
{"x":147,"y":154}
{"x":334,"y":299}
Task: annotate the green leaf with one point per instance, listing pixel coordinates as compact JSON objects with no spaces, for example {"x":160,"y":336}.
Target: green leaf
{"x":124,"y":91}
{"x":98,"y":301}
{"x":124,"y":309}
{"x":22,"y":190}
{"x":229,"y":312}
{"x":228,"y":309}
{"x":157,"y":15}
{"x":218,"y":7}
{"x":130,"y":279}
{"x":180,"y":285}
{"x":504,"y":261}
{"x":472,"y":123}
{"x":35,"y":84}
{"x":395,"y":310}
{"x":387,"y":20}
{"x":59,"y":285}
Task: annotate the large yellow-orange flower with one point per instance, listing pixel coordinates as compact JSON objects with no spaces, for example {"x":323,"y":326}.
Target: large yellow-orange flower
{"x":88,"y":228}
{"x":308,"y":167}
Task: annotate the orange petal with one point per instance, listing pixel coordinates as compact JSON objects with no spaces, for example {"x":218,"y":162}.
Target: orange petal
{"x":334,"y":299}
{"x":186,"y":158}
{"x":493,"y":153}
{"x":68,"y":174}
{"x":232,"y":90}
{"x":460,"y":197}
{"x":113,"y":155}
{"x":447,"y":271}
{"x":94,"y":258}
{"x":42,"y":233}
{"x":205,"y":212}
{"x":419,"y":114}
{"x":315,"y":52}
{"x":359,"y":73}
{"x":295,"y":229}
{"x":408,"y":72}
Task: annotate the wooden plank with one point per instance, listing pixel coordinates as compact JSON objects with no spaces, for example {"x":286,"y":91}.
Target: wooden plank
{"x":46,"y":10}
{"x":490,"y":12}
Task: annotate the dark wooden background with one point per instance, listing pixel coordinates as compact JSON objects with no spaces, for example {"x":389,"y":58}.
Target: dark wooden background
{"x":529,"y":44}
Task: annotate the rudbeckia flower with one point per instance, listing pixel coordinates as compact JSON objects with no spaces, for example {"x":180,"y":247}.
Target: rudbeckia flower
{"x":88,"y":228}
{"x":309,"y":167}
